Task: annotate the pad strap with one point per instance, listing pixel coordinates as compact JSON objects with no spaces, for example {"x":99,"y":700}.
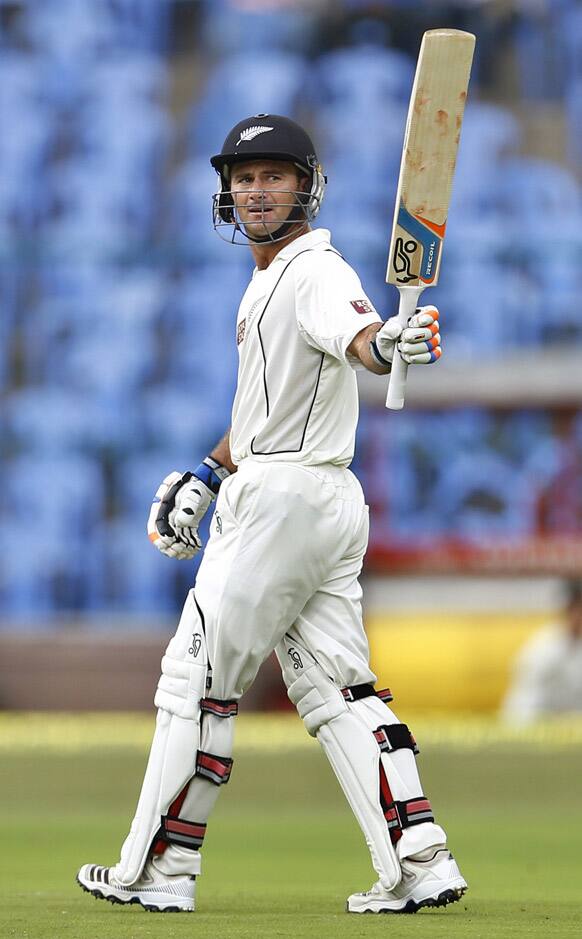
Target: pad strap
{"x":401,"y":815}
{"x":391,"y":737}
{"x":181,"y":832}
{"x":215,"y":768}
{"x":357,"y":692}
{"x":219,"y":708}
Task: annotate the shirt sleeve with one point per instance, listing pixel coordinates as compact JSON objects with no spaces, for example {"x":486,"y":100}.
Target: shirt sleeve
{"x":331,"y":306}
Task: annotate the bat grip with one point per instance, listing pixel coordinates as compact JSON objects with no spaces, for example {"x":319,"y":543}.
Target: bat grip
{"x":397,"y":382}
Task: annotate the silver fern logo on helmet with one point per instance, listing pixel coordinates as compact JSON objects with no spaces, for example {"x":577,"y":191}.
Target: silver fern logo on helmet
{"x":251,"y":132}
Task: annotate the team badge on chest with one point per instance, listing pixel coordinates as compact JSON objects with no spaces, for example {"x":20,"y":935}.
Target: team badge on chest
{"x":240,"y":332}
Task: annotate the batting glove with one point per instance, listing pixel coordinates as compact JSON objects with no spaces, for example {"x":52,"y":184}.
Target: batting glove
{"x":419,"y":343}
{"x":179,"y":506}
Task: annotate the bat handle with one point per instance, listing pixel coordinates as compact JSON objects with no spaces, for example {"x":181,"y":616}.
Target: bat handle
{"x":397,"y":382}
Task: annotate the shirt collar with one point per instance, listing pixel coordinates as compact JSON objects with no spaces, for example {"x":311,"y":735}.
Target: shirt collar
{"x":311,"y":239}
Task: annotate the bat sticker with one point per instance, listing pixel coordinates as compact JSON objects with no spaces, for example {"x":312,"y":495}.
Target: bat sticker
{"x":401,"y":262}
{"x":429,"y":239}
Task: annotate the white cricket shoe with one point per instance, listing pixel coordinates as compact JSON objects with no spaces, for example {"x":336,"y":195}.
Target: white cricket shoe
{"x":431,"y":879}
{"x":156,"y":892}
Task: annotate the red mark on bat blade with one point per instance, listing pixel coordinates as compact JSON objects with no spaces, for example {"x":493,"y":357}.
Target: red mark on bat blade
{"x":421,"y":99}
{"x":442,"y":119}
{"x":463,"y":96}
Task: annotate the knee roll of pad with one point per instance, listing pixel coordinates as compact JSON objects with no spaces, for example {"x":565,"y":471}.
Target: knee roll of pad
{"x":181,"y":688}
{"x":317,"y":699}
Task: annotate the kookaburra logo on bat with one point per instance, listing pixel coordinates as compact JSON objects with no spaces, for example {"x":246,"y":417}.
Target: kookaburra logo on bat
{"x":402,"y":259}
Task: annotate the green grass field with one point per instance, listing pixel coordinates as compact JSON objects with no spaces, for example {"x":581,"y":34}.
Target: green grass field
{"x":282,"y":851}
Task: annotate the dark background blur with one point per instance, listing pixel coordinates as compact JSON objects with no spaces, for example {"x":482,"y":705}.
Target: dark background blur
{"x":118,"y":301}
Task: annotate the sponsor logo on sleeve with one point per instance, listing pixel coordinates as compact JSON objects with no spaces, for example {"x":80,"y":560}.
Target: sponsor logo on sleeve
{"x":362,"y":306}
{"x":240,"y":332}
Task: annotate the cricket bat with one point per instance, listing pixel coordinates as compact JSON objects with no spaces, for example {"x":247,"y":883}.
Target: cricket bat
{"x":429,"y":154}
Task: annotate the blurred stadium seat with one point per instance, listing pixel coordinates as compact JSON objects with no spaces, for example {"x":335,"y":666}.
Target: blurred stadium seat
{"x":50,"y":510}
{"x":365,"y":77}
{"x":273,"y":83}
{"x":227,"y":26}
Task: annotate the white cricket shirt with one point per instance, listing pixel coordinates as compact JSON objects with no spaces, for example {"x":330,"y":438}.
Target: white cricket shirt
{"x":297,"y":396}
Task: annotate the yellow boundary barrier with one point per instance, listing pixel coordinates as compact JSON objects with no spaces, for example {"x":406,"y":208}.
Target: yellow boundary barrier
{"x":268,"y":733}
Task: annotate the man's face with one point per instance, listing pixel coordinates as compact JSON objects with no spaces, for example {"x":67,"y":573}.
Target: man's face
{"x":263,"y":194}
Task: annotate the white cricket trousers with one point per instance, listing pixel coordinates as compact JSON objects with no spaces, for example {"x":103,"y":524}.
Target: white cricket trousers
{"x":285,"y":551}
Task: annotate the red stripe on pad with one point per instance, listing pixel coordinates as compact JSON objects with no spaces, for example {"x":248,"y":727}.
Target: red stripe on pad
{"x":420,"y":805}
{"x":217,"y":766}
{"x":179,"y":801}
{"x":221,"y":708}
{"x":185,"y":828}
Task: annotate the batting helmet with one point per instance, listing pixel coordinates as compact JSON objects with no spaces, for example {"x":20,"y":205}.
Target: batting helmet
{"x":269,"y":137}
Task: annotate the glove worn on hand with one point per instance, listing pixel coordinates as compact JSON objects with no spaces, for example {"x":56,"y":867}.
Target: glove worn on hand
{"x":179,"y":506}
{"x":418,"y":343}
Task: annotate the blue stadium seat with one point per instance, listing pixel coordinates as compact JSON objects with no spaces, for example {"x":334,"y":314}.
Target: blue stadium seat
{"x":541,"y":191}
{"x":490,"y":132}
{"x":189,"y":217}
{"x":369,"y":138}
{"x":540,"y":65}
{"x":140,"y":580}
{"x":100,"y":209}
{"x":137,"y":477}
{"x":25,"y":148}
{"x":129,"y":76}
{"x":205,"y":301}
{"x":75,"y":29}
{"x":227,"y":27}
{"x":141,"y":150}
{"x":51,"y":419}
{"x":123,"y":303}
{"x":69,"y":29}
{"x":50,"y":511}
{"x":241,"y":85}
{"x":574,"y":118}
{"x":484,"y":495}
{"x":569,"y":26}
{"x":362,"y":77}
{"x":185,"y":418}
{"x":559,"y":280}
{"x":141,"y":24}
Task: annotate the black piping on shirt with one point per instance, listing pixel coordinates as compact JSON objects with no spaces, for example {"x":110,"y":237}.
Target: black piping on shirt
{"x":298,"y":449}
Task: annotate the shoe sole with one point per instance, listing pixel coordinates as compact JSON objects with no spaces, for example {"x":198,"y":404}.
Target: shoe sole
{"x":150,"y":907}
{"x":444,"y":899}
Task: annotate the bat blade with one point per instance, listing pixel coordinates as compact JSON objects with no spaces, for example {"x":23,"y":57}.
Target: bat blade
{"x":429,"y":155}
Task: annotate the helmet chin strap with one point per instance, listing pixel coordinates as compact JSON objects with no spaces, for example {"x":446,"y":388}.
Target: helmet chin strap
{"x":297,"y":214}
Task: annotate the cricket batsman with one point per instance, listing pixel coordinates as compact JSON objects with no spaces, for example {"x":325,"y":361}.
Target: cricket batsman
{"x":287,"y":540}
